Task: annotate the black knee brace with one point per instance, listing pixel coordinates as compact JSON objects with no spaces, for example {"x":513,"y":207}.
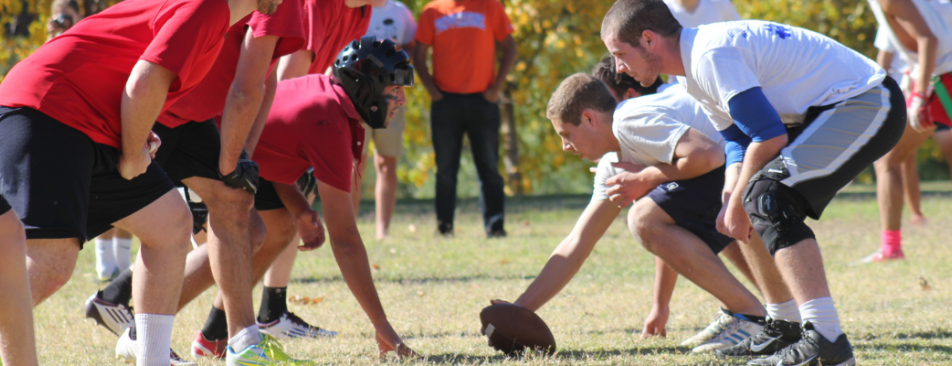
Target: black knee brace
{"x":777,"y":213}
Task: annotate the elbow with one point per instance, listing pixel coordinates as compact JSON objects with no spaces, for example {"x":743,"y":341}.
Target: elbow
{"x":244,"y":93}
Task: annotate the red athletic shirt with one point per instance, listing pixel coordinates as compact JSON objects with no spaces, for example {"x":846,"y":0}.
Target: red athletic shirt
{"x":315,"y":125}
{"x":207,"y":100}
{"x":78,"y":78}
{"x":329,"y":25}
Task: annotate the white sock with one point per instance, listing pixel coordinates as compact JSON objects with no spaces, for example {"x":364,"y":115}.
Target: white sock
{"x":105,"y":260}
{"x":784,"y":311}
{"x":822,"y":314}
{"x":245,"y":338}
{"x":154,"y":339}
{"x":122,"y":248}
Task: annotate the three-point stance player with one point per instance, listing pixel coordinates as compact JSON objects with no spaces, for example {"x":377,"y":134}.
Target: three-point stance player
{"x":677,"y":167}
{"x":811,"y":114}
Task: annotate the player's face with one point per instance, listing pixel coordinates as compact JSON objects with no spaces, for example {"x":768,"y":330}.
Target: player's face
{"x":581,"y":140}
{"x":637,"y":62}
{"x":268,"y":7}
{"x":395,"y":99}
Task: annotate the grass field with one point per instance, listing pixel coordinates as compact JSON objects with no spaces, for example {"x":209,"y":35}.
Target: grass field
{"x":433,"y":289}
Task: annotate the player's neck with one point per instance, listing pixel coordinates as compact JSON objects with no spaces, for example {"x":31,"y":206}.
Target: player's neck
{"x":240,"y":9}
{"x":671,"y":56}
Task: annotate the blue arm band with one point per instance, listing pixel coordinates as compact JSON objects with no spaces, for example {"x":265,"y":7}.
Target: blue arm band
{"x":754,"y":115}
{"x":736,"y":144}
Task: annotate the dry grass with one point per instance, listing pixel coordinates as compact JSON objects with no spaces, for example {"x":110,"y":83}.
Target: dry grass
{"x":434,"y":288}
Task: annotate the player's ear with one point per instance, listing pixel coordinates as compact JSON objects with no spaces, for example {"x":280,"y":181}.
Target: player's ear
{"x":588,"y":117}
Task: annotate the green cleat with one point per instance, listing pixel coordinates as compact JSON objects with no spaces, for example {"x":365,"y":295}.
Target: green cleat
{"x":268,"y":352}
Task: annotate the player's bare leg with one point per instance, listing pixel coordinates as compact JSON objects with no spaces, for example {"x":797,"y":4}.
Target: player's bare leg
{"x":943,"y":138}
{"x":911,"y":192}
{"x":386,"y":192}
{"x":733,"y":253}
{"x":659,"y":233}
{"x":230,"y":246}
{"x":17,"y":344}
{"x":50,"y":264}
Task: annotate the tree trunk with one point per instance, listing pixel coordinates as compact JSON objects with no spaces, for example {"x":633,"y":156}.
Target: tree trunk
{"x":511,"y":139}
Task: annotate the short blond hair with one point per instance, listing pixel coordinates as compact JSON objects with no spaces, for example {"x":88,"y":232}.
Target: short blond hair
{"x":576,"y":93}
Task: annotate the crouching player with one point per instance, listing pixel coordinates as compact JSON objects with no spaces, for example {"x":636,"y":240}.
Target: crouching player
{"x":811,"y":114}
{"x":317,"y":125}
{"x":677,"y":167}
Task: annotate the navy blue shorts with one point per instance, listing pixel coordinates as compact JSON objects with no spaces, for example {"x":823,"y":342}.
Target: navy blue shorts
{"x":941,"y":127}
{"x":694,"y":205}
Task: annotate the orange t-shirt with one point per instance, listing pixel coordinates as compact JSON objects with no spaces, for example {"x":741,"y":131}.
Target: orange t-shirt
{"x":463,"y":36}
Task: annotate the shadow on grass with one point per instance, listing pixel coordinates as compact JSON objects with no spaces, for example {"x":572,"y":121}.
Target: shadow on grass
{"x":902,"y":347}
{"x":940,"y":333}
{"x":417,"y":280}
{"x":564,"y":355}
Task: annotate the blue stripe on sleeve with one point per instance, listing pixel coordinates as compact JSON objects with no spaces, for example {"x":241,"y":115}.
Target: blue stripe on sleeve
{"x":736,"y":144}
{"x":754,"y":115}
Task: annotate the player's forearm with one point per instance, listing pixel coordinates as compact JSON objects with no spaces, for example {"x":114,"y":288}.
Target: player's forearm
{"x":927,"y":50}
{"x":758,"y":155}
{"x":291,"y":197}
{"x":142,"y":101}
{"x":692,"y":166}
{"x":352,"y":259}
{"x":509,"y":53}
{"x":295,"y":64}
{"x":884,"y":59}
{"x":270,"y":86}
{"x":731,"y":177}
{"x":665,"y":280}
{"x":558,"y":272}
{"x":421,"y":68}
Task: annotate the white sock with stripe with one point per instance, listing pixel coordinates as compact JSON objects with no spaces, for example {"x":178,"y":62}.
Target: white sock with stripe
{"x":787,"y":310}
{"x":122,"y":249}
{"x":245,"y":338}
{"x":822,"y":314}
{"x":105,"y":260}
{"x":154,"y":339}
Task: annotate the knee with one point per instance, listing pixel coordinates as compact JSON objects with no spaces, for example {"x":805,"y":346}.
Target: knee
{"x":225,"y":200}
{"x":777,"y":214}
{"x":257,"y":230}
{"x":280,"y":233}
{"x":642,"y":227}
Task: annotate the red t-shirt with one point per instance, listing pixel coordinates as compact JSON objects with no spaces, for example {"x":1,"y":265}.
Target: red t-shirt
{"x":78,"y":78}
{"x":315,"y":125}
{"x":207,"y":100}
{"x":329,"y":25}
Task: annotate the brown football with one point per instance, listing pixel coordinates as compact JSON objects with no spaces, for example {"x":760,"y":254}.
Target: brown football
{"x":513,"y":329}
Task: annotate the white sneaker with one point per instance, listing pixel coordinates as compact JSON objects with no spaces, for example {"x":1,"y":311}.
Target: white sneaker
{"x":721,"y":321}
{"x":127,"y":349}
{"x":114,"y":317}
{"x":292,"y":326}
{"x":739,"y":330}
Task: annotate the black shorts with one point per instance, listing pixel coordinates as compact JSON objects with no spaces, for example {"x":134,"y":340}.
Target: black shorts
{"x":64,"y":185}
{"x":267,"y":198}
{"x":4,"y":206}
{"x":189,"y":150}
{"x":941,"y":127}
{"x":694,"y":205}
{"x":836,"y":143}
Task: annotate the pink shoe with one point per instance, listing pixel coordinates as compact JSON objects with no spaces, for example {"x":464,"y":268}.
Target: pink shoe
{"x":206,"y":348}
{"x":880,"y":256}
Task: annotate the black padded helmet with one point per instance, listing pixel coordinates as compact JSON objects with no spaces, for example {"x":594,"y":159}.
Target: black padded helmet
{"x":367,"y":66}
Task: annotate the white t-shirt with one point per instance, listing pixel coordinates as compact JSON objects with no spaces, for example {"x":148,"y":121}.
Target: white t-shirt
{"x":898,"y":66}
{"x":392,"y":20}
{"x":648,"y":130}
{"x":796,"y":68}
{"x":707,"y":11}
{"x":938,"y":16}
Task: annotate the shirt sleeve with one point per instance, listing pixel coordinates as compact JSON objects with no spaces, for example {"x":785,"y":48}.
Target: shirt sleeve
{"x":755,"y":116}
{"x":502,"y":26}
{"x":184,"y":34}
{"x":728,"y":11}
{"x":603,"y":171}
{"x":317,"y":19}
{"x":284,"y":23}
{"x":723,"y":73}
{"x":653,"y":134}
{"x":331,"y":154}
{"x":426,"y":28}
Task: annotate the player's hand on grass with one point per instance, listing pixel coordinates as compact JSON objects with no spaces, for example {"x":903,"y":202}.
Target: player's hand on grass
{"x":654,"y":324}
{"x":733,"y":221}
{"x":310,"y":229}
{"x":389,"y":341}
{"x":134,"y":166}
{"x":627,"y":186}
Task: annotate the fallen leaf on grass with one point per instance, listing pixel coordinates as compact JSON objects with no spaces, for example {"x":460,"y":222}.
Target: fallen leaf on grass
{"x":503,"y":261}
{"x":924,"y":284}
{"x":412,"y":228}
{"x":375,"y":266}
{"x":306,"y":300}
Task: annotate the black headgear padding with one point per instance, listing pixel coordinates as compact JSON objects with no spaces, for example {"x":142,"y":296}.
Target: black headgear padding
{"x":364,"y":68}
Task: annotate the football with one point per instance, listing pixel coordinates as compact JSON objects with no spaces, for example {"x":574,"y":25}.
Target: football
{"x":513,"y":329}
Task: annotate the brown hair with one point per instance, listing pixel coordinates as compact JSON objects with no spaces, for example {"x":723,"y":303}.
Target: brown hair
{"x":577,"y":93}
{"x":620,"y":83}
{"x":628,"y":19}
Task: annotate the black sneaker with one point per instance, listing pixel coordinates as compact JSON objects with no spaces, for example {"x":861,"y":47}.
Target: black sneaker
{"x":811,"y":350}
{"x":496,"y":233}
{"x":775,"y":336}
